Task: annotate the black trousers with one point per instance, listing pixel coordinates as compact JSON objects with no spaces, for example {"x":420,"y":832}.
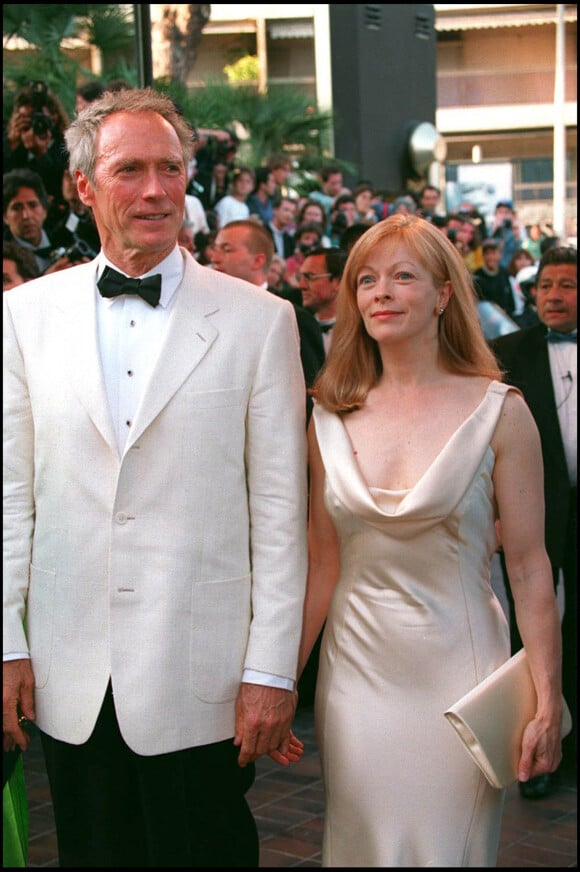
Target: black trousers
{"x":114,"y":808}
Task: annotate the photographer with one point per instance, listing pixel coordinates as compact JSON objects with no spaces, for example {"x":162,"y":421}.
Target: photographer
{"x":306,"y":237}
{"x":215,"y":157}
{"x":342,"y":215}
{"x":34,"y":136}
{"x":506,"y":228}
{"x":25,"y":205}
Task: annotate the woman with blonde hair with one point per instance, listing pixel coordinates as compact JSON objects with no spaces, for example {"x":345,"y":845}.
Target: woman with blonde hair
{"x":417,"y":450}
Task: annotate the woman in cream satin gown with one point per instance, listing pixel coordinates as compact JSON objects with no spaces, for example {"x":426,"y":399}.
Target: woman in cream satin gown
{"x":402,"y":572}
{"x":413,"y":624}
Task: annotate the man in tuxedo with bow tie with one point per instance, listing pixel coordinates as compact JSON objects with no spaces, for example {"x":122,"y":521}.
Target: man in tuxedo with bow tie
{"x":155,"y":533}
{"x":541,"y":361}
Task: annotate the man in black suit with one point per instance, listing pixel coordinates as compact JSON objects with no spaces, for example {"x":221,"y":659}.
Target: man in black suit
{"x":492,"y":280}
{"x":282,"y":224}
{"x":541,"y":361}
{"x":244,"y":249}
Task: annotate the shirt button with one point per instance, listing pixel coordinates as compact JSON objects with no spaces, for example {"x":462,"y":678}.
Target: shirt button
{"x":129,"y":372}
{"x":128,"y":423}
{"x":132,"y":323}
{"x":121,"y":518}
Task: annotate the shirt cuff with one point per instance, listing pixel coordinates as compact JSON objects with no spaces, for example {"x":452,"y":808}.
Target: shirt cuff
{"x":253,"y":676}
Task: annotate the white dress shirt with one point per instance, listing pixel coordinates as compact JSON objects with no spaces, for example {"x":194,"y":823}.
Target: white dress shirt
{"x":130,"y":334}
{"x":195,"y":213}
{"x":564,"y":369}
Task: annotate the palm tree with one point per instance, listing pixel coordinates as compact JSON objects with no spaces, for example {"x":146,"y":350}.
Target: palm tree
{"x":280,"y":120}
{"x":46,"y":28}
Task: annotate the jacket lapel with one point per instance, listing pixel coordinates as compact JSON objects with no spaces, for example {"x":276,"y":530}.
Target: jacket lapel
{"x":189,"y":337}
{"x":80,"y":341}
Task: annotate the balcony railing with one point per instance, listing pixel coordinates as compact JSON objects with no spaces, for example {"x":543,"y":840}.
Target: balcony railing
{"x":489,"y":88}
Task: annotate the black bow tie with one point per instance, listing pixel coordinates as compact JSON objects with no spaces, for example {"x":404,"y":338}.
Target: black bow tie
{"x":555,"y":336}
{"x":113,"y":283}
{"x":326,"y":327}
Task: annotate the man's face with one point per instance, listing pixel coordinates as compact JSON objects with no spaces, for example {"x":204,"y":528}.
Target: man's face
{"x":138,"y":195}
{"x":10,"y":275}
{"x":333,"y":185}
{"x":503,"y":213}
{"x":231,"y":254}
{"x":309,"y":239}
{"x":25,"y":216}
{"x":348,"y":209}
{"x":429,"y":200}
{"x":285,"y":213}
{"x":320,"y":290}
{"x":557,"y":297}
{"x":491,"y":259}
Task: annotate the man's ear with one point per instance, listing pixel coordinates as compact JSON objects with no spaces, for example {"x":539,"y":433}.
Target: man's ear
{"x":84,"y":188}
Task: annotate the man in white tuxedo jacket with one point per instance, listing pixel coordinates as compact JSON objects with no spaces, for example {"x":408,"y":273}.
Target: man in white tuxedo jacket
{"x":155,"y":517}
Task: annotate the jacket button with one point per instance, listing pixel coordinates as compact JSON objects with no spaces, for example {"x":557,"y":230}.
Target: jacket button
{"x":121,"y":518}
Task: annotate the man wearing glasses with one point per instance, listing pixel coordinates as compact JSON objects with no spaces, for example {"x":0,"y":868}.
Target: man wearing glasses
{"x":319,"y":280}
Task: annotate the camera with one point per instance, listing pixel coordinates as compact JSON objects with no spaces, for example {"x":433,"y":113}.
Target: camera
{"x":74,"y":252}
{"x":41,"y":124}
{"x":339,"y":222}
{"x":508,"y":224}
{"x":39,"y":91}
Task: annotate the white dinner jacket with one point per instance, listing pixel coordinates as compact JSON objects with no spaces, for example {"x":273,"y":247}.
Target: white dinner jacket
{"x":173,"y":567}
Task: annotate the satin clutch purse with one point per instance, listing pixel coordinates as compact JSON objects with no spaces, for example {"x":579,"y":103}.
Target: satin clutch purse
{"x":491,"y":718}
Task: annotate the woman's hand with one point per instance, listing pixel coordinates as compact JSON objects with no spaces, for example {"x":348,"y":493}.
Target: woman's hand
{"x":292,"y":754}
{"x":541,"y":750}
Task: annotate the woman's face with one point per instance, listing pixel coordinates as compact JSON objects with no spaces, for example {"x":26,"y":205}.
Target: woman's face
{"x":522,"y":259}
{"x":314,"y":213}
{"x":396,"y":295}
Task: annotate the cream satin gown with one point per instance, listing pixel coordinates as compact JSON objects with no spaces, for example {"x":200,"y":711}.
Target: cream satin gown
{"x":413,"y":625}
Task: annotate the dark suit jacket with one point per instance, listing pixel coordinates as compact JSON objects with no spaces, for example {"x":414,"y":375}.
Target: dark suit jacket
{"x":524,"y":356}
{"x":287,"y":240}
{"x":311,"y":345}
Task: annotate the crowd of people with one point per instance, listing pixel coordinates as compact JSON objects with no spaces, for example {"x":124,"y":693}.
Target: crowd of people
{"x":259,"y":451}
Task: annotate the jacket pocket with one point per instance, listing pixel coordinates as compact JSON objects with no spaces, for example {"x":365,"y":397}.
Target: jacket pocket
{"x":219,"y":638}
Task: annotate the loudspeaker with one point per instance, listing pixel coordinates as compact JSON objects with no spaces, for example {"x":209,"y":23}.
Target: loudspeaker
{"x":383,"y":85}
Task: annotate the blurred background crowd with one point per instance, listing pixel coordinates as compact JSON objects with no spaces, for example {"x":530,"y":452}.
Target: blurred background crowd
{"x":47,"y":228}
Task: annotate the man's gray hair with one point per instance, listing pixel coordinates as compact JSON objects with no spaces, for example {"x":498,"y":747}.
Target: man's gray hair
{"x":81,"y":135}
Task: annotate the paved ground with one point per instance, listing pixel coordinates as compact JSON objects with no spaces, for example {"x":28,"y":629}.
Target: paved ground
{"x":289,"y":807}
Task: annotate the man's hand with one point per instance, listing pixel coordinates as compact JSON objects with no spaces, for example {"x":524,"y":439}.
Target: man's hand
{"x":263,"y":718}
{"x":18,"y":703}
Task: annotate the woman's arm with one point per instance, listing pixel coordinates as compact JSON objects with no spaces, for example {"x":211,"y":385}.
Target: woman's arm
{"x":323,"y":555}
{"x":519,"y":491}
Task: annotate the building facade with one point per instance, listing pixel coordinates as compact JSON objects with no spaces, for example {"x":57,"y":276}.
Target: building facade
{"x":506,"y":90}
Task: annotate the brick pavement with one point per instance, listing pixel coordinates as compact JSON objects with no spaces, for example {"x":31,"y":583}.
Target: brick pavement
{"x":288,"y":804}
